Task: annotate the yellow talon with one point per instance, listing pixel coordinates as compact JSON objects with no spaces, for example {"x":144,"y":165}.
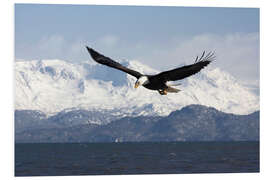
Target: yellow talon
{"x":136,"y":85}
{"x":163,"y":91}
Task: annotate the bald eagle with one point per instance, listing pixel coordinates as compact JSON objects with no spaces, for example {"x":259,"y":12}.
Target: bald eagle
{"x":158,"y":82}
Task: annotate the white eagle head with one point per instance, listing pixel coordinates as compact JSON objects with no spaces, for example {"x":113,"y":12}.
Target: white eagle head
{"x":141,"y":81}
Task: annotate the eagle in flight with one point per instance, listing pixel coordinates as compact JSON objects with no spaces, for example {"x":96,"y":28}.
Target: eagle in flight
{"x":158,"y":82}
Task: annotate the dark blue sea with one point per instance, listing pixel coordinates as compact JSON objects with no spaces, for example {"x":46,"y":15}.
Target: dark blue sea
{"x":59,"y":159}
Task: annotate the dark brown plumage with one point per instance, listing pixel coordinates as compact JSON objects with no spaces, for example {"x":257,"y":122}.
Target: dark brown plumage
{"x":159,"y":81}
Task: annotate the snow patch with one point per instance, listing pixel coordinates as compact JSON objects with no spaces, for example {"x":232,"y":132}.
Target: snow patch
{"x":55,"y":85}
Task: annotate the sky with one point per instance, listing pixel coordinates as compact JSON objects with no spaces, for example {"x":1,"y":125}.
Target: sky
{"x":161,"y":37}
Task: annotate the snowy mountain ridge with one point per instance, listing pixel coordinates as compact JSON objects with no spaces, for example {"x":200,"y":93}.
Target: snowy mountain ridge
{"x":52,"y":86}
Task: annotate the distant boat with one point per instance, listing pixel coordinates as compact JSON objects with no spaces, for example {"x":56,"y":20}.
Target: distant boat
{"x":117,"y":140}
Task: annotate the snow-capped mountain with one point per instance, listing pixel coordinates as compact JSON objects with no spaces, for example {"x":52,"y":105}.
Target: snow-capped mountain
{"x":51,"y":86}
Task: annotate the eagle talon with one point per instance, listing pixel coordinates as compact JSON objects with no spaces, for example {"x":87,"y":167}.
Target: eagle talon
{"x":162,"y":91}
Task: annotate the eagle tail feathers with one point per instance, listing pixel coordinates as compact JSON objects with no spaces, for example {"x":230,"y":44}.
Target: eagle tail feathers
{"x":172,"y":90}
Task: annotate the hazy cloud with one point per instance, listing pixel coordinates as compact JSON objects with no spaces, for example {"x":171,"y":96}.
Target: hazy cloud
{"x":108,"y":40}
{"x":237,"y":53}
{"x":52,"y":47}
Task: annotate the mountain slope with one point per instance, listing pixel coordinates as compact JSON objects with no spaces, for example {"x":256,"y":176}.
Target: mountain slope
{"x":52,"y":86}
{"x":191,"y":123}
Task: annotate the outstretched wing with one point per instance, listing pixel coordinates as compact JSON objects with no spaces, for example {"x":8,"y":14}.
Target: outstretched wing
{"x":185,"y":71}
{"x":99,"y":58}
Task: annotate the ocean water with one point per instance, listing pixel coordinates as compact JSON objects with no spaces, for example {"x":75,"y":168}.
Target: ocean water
{"x":56,"y":159}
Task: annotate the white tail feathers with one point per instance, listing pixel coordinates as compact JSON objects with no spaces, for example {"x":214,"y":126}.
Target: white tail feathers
{"x":172,"y":90}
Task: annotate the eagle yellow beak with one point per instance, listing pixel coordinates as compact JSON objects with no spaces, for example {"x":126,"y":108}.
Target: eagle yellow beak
{"x":136,"y":84}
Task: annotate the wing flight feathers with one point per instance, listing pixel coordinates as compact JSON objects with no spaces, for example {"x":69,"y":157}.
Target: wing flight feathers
{"x":101,"y":59}
{"x":171,"y":75}
{"x":185,"y":71}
